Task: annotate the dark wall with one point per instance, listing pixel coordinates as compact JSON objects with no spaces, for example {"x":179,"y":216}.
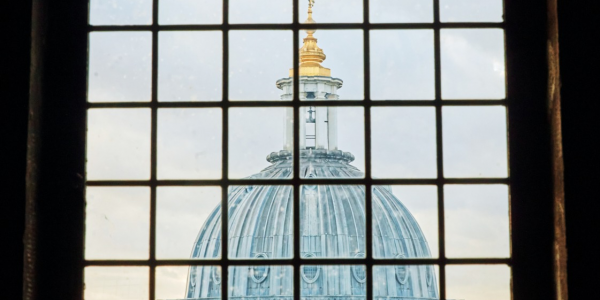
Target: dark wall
{"x":580,"y":65}
{"x":15,"y":19}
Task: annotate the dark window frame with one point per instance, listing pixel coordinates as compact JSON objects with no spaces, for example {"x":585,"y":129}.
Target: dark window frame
{"x":54,"y":237}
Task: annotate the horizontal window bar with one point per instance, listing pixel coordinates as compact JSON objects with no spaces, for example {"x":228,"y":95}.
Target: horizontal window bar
{"x":291,"y":104}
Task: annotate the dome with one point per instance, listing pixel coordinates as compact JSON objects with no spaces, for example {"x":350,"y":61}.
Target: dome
{"x":332,"y":226}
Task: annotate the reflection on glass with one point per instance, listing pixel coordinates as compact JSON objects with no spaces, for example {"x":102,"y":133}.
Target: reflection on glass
{"x":332,"y":221}
{"x":260,"y":11}
{"x":190,"y":66}
{"x":189,"y":143}
{"x":406,"y":282}
{"x":405,"y":223}
{"x":475,"y":141}
{"x":191,"y":282}
{"x":402,"y":65}
{"x":331,"y":142}
{"x":120,"y":12}
{"x":117,"y":223}
{"x":405,"y":11}
{"x":185,"y":214}
{"x":489,"y":282}
{"x":190,"y":12}
{"x":256,"y":60}
{"x":403,"y":142}
{"x":476,"y":218}
{"x":119,"y":67}
{"x":261,"y":282}
{"x":111,"y":283}
{"x":333,"y":282}
{"x":471,"y":11}
{"x":473,"y":64}
{"x":121,"y":137}
{"x":333,"y":11}
{"x":260,"y":222}
{"x":256,"y":133}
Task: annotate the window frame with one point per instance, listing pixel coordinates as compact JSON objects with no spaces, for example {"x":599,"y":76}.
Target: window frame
{"x":57,"y":149}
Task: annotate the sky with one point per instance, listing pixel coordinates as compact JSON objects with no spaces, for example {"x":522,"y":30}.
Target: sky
{"x":189,"y":140}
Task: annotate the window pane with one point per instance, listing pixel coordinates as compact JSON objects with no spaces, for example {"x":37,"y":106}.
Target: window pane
{"x":332,"y":221}
{"x":333,"y":282}
{"x":117,"y":222}
{"x":188,"y":221}
{"x":473,"y":64}
{"x":260,"y":11}
{"x":116,"y":283}
{"x":189,"y":143}
{"x":255,"y":133}
{"x":477,"y":221}
{"x":118,"y":144}
{"x":190,"y":12}
{"x":403,"y":142}
{"x":402,"y":65}
{"x":119,"y":67}
{"x":176,"y":283}
{"x":258,"y":282}
{"x":332,"y":142}
{"x":333,"y":11}
{"x":406,"y":11}
{"x":256,"y":60}
{"x":405,"y":221}
{"x":471,"y":10}
{"x":261,"y":222}
{"x":406,"y":282}
{"x":120,"y":12}
{"x":475,"y":141}
{"x":478,"y":282}
{"x":190,"y":66}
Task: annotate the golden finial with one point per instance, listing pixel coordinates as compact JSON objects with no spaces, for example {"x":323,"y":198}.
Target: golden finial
{"x":311,"y":56}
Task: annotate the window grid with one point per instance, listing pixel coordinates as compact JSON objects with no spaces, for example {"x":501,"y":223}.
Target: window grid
{"x":224,"y":262}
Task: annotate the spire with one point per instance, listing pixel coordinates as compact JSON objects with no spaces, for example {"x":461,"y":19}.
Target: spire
{"x":311,"y":56}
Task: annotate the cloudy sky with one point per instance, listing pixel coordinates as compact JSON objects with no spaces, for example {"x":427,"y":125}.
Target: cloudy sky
{"x":189,"y":140}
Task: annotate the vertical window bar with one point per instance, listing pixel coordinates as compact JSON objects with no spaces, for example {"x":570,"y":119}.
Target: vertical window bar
{"x":439,"y":149}
{"x":367,"y":143}
{"x":296,"y":148}
{"x":225,"y":154}
{"x":153,"y":160}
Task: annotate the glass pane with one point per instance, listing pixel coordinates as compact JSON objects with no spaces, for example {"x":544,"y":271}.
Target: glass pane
{"x":405,"y":11}
{"x":477,"y":221}
{"x":473,"y":64}
{"x":332,"y":221}
{"x":257,"y":59}
{"x":188,"y":221}
{"x":188,"y":282}
{"x":190,"y":66}
{"x":478,"y":282}
{"x":403,"y":142}
{"x":257,"y":141}
{"x":471,"y":10}
{"x":402,"y":65}
{"x":190,"y":12}
{"x":189,"y":143}
{"x":116,"y":283}
{"x":340,"y":67}
{"x":333,"y":282}
{"x":118,"y":144}
{"x":117,"y":222}
{"x":332,"y":142}
{"x":406,"y":282}
{"x":332,"y":11}
{"x":475,"y":141}
{"x":119,"y":67}
{"x":120,"y":12}
{"x":405,"y":221}
{"x":260,"y":282}
{"x":260,"y":11}
{"x":261,"y":221}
